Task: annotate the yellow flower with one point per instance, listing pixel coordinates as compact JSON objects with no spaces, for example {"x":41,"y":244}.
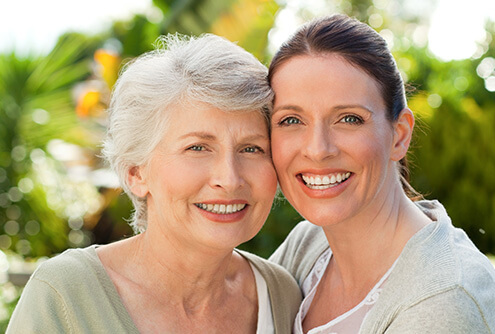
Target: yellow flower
{"x":108,"y":65}
{"x":89,"y":104}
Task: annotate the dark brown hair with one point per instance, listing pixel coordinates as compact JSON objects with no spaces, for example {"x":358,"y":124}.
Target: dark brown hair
{"x":362,"y":47}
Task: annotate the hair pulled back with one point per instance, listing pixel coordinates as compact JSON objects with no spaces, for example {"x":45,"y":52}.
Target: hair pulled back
{"x":361,"y":46}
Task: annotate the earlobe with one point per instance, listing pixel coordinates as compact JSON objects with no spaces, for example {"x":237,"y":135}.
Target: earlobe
{"x":403,"y":129}
{"x":137,"y":183}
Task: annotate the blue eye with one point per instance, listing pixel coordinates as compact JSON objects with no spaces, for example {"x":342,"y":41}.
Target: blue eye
{"x":290,"y":121}
{"x":352,"y":119}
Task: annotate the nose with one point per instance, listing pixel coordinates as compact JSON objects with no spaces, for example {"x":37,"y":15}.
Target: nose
{"x":227,"y":173}
{"x":319,"y":143}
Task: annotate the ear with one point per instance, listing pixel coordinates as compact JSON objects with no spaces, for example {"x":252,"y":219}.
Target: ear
{"x":403,"y":129}
{"x":136,"y":181}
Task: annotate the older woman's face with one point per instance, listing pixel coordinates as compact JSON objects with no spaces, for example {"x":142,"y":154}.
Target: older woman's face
{"x":332,"y":145}
{"x":211,"y":180}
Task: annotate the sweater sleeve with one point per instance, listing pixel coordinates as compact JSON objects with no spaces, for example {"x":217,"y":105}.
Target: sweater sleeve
{"x":46,"y":309}
{"x":450,"y":312}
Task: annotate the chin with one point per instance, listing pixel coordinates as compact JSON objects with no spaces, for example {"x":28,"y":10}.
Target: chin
{"x":229,"y":239}
{"x":326,"y":217}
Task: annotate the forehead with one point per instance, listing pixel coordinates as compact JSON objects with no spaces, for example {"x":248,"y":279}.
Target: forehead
{"x":327,"y":76}
{"x":193,"y":117}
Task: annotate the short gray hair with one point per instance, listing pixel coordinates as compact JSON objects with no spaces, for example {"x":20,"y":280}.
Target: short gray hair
{"x":181,"y":70}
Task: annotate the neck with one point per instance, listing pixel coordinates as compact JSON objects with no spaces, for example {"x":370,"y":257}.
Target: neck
{"x":182,"y":275}
{"x":365,"y":246}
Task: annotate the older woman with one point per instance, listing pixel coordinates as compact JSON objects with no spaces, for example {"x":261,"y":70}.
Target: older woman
{"x":188,"y":138}
{"x":369,"y":259}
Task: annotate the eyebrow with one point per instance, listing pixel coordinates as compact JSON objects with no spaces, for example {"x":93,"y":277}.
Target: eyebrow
{"x":287,"y":107}
{"x":353,"y":106}
{"x":339,"y":107}
{"x":199,"y":134}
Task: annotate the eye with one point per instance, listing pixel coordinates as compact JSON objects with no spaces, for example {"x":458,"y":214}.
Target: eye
{"x":196,"y":148}
{"x":352,"y":119}
{"x":253,"y":149}
{"x":291,"y":120}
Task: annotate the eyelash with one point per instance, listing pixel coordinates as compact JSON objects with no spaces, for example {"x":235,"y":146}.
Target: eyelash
{"x":256,"y":148}
{"x":357,"y":120}
{"x":285,"y":121}
{"x":196,"y":148}
{"x":201,"y":148}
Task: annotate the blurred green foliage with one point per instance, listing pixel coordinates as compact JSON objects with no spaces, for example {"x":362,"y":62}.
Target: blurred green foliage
{"x":454,"y":149}
{"x":48,"y":103}
{"x":36,"y":106}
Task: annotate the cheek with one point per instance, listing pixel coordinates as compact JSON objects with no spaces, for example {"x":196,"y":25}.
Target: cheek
{"x":266,"y":179}
{"x":281,"y":149}
{"x":264,"y":191}
{"x":372,"y":150}
{"x":177,"y":180}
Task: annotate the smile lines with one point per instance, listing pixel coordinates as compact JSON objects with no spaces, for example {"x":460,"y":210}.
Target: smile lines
{"x":325,"y":181}
{"x":221,"y":208}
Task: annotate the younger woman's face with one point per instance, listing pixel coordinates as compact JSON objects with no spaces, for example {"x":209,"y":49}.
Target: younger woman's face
{"x":332,"y":145}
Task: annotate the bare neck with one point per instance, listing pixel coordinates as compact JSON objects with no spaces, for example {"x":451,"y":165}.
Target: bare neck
{"x":193,"y":278}
{"x":365,"y":246}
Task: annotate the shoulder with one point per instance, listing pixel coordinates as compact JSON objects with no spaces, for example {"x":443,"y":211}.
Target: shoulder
{"x":45,"y":303}
{"x":437,"y":265}
{"x":444,"y":256}
{"x":474,"y":274}
{"x":74,"y":272}
{"x":300,"y":250}
{"x":452,"y":311}
{"x":449,"y":256}
{"x":71,"y":293}
{"x":73,"y":265}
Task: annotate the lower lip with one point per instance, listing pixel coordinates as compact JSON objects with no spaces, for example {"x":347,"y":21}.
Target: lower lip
{"x":324,"y":193}
{"x":224,"y":218}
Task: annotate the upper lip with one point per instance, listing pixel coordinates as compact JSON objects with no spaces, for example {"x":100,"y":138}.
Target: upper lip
{"x":322,"y":172}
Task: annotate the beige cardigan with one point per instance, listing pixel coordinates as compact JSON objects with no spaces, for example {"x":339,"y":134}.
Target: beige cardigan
{"x":441,"y":283}
{"x":72,"y":293}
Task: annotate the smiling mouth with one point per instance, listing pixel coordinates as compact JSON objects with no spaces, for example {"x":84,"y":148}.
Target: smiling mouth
{"x":223,"y":209}
{"x":324,"y":181}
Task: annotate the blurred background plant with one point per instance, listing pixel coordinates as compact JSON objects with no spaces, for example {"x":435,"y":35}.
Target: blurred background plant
{"x":56,"y":193}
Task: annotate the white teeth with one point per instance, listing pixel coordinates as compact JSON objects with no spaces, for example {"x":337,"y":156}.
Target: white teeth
{"x":325,"y":181}
{"x":221,"y":208}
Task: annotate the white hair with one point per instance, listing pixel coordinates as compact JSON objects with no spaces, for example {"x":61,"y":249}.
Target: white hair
{"x":182,"y":70}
